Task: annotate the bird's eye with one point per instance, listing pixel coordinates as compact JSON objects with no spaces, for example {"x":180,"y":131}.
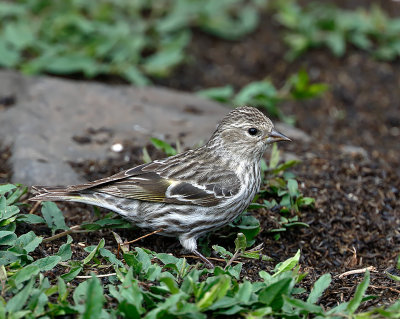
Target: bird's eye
{"x":253,"y":131}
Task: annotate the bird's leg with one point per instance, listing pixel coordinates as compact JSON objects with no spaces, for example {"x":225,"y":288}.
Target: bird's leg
{"x":189,"y":243}
{"x":208,"y":263}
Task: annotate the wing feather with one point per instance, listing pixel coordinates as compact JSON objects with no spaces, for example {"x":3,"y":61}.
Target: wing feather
{"x":164,"y":181}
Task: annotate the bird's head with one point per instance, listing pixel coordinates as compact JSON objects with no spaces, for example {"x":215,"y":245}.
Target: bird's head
{"x":246,"y":133}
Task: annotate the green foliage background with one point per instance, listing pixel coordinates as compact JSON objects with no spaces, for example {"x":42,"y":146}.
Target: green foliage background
{"x":132,"y":39}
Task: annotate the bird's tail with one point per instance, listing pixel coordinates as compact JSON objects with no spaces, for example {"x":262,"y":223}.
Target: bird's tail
{"x":53,"y":193}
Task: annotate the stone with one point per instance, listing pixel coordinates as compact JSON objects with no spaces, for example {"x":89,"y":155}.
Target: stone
{"x":55,"y":121}
{"x":354,"y":150}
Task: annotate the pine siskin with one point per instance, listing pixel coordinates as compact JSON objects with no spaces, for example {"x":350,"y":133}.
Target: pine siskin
{"x":191,"y":193}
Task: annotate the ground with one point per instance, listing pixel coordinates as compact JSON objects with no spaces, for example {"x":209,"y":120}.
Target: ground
{"x":356,"y":219}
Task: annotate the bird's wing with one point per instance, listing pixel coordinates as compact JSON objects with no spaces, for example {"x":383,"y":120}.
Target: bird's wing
{"x":153,"y":182}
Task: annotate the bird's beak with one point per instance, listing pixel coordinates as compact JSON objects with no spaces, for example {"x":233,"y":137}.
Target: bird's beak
{"x":275,"y":136}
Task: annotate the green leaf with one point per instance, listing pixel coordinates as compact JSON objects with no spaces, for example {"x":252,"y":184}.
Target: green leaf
{"x":70,"y":63}
{"x":161,"y":63}
{"x":62,"y":290}
{"x":30,"y":219}
{"x":273,"y":294}
{"x":7,"y":238}
{"x":305,"y":201}
{"x":164,"y":146}
{"x":53,"y":216}
{"x":110,"y":257}
{"x":216,"y":292}
{"x":222,"y":252}
{"x":65,"y":251}
{"x":229,"y":25}
{"x":302,"y":88}
{"x":3,"y":274}
{"x":250,"y":227}
{"x":47,"y":263}
{"x":293,"y":224}
{"x":244,"y":293}
{"x":94,"y":251}
{"x":304,"y":306}
{"x":131,"y":297}
{"x":261,"y":94}
{"x":254,"y":206}
{"x":235,"y":271}
{"x":14,"y":196}
{"x":79,"y":296}
{"x":133,"y":75}
{"x":293,"y":187}
{"x":144,"y":258}
{"x":145,"y":156}
{"x":9,"y":57}
{"x":287,"y":265}
{"x":263,"y":312}
{"x":336,"y":42}
{"x":94,"y":299}
{"x":221,"y":94}
{"x":275,"y":157}
{"x":8,"y":257}
{"x":19,"y":34}
{"x":171,"y":284}
{"x":26,"y":273}
{"x":391,"y":276}
{"x":240,"y":242}
{"x":29,"y":241}
{"x":358,"y":295}
{"x":256,"y":91}
{"x":5,"y":188}
{"x":7,"y":213}
{"x":320,"y":285}
{"x":106,"y":223}
{"x":12,"y":9}
{"x":167,"y":258}
{"x":17,"y":302}
{"x":74,"y":271}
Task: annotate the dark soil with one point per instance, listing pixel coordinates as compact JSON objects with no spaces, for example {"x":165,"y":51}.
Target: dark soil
{"x":356,"y":219}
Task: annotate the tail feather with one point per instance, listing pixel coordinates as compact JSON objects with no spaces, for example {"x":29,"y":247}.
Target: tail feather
{"x":60,"y":193}
{"x":51,"y":193}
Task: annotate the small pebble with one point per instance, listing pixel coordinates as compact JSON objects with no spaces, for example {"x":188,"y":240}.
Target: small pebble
{"x":117,"y":147}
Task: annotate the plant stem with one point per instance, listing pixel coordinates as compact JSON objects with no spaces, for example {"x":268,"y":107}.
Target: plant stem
{"x":73,"y":229}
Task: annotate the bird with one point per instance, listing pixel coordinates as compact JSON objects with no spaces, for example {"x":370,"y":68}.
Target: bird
{"x":189,"y":194}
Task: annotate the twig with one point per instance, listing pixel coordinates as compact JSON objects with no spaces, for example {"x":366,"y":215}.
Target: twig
{"x":73,"y":229}
{"x":144,"y":236}
{"x":98,"y":276}
{"x":384,"y":287}
{"x":135,"y":240}
{"x":236,"y":255}
{"x":356,"y":271}
{"x":34,"y":207}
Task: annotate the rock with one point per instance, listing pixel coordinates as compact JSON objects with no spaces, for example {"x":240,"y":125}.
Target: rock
{"x":354,"y":150}
{"x":55,"y":121}
{"x":289,"y":156}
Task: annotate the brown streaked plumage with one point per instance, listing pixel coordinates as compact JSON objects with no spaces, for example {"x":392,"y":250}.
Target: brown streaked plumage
{"x":191,"y":193}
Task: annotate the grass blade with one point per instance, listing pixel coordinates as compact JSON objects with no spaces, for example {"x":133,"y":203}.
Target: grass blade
{"x":319,"y":287}
{"x":360,"y":291}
